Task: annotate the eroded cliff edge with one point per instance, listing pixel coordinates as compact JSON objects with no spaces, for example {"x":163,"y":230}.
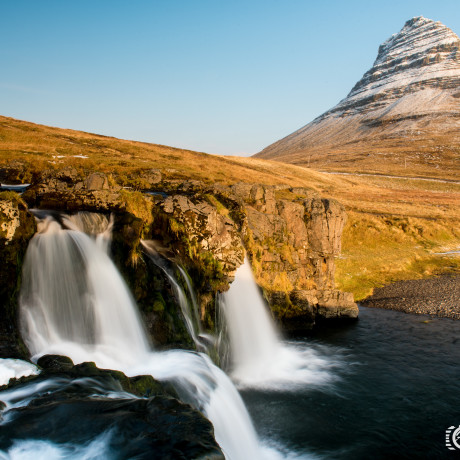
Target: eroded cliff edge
{"x":290,"y":235}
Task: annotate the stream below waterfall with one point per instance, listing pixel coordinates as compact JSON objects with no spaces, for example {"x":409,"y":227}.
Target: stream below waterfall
{"x":395,"y":397}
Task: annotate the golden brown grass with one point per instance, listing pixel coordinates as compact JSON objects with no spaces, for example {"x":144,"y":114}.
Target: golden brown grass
{"x":380,"y":249}
{"x":395,"y":225}
{"x":44,"y":147}
{"x":429,"y":151}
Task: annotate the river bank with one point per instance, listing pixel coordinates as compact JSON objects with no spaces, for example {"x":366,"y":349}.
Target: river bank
{"x":438,"y":296}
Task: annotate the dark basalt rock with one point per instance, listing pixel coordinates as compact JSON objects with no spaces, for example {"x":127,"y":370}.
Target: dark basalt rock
{"x":75,"y":410}
{"x":62,"y":367}
{"x":301,"y":310}
{"x":155,"y":428}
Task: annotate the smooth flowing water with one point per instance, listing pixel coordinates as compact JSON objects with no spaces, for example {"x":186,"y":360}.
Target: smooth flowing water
{"x":189,"y":308}
{"x":259,"y":357}
{"x":75,"y":303}
{"x":396,"y":393}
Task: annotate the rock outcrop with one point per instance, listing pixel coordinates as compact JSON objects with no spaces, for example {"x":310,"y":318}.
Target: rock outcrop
{"x":292,"y":244}
{"x":403,"y":114}
{"x":78,"y":409}
{"x":67,"y":189}
{"x":291,"y":237}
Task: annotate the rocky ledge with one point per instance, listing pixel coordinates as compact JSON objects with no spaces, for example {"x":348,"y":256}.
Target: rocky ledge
{"x":290,"y":235}
{"x":137,"y":417}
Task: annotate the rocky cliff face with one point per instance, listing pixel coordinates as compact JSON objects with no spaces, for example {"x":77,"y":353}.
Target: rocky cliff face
{"x":405,"y":110}
{"x":292,"y":244}
{"x":17,"y":226}
{"x":291,"y":237}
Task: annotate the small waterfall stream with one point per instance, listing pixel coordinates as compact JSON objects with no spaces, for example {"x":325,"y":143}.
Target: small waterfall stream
{"x":188,"y":308}
{"x":75,"y":303}
{"x":259,"y":358}
{"x":253,"y":338}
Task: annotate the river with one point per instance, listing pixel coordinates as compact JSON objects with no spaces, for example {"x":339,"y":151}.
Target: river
{"x":395,"y":395}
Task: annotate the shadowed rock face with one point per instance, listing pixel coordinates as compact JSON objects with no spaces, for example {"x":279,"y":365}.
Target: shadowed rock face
{"x":17,"y":226}
{"x":407,"y":103}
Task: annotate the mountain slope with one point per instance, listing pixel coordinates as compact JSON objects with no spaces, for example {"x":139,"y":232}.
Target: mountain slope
{"x":402,"y":117}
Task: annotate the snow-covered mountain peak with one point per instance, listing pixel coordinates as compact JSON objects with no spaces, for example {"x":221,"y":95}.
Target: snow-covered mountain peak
{"x":408,"y":103}
{"x":418,"y":36}
{"x":423,"y":51}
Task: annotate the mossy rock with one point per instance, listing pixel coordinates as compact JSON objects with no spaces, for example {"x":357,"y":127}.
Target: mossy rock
{"x":62,"y":366}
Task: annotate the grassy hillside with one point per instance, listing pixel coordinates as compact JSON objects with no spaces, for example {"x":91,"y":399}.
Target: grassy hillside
{"x":395,"y":228}
{"x":435,"y":155}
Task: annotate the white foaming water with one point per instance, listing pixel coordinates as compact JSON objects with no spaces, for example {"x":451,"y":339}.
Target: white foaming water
{"x":75,"y":303}
{"x":97,"y":225}
{"x":259,"y":358}
{"x":22,"y":395}
{"x":206,"y":387}
{"x":74,"y":297}
{"x":14,"y":369}
{"x":46,"y":450}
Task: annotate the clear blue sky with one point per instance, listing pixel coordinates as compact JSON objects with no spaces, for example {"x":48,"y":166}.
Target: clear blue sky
{"x":227,"y":77}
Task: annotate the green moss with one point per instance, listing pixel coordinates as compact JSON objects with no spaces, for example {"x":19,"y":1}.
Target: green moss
{"x":221,"y":209}
{"x":139,"y":205}
{"x":175,"y":226}
{"x":12,"y":256}
{"x":11,"y":196}
{"x":286,"y":194}
{"x":159,"y":303}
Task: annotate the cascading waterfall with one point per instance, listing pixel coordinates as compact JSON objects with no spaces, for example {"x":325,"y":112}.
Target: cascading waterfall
{"x":252,"y":334}
{"x":258,"y":356}
{"x":189,"y":312}
{"x":188,"y":305}
{"x":206,"y":338}
{"x":74,"y":298}
{"x":94,"y":224}
{"x":75,"y":303}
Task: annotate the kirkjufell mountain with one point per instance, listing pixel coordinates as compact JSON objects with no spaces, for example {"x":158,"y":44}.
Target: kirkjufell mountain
{"x":402,"y":117}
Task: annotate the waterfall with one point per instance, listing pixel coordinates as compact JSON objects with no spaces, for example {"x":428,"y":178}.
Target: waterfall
{"x":258,"y":356}
{"x":74,"y":303}
{"x":253,"y":338}
{"x":94,"y":224}
{"x":73,"y":295}
{"x":189,"y":308}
